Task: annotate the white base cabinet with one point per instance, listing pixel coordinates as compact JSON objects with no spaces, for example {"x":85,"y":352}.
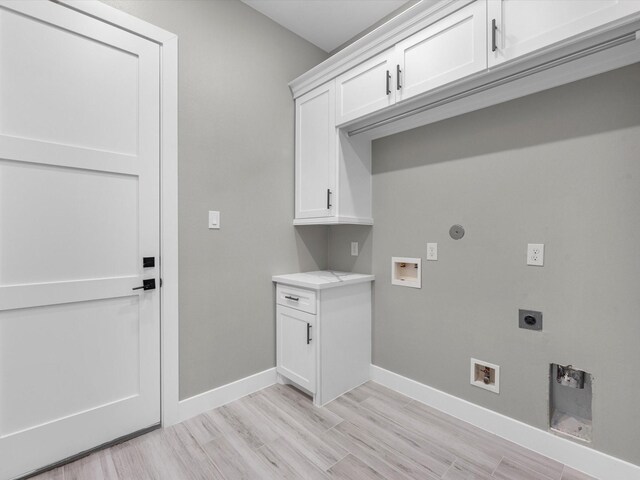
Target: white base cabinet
{"x":323,"y":332}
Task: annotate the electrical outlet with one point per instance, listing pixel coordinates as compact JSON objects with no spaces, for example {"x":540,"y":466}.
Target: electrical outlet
{"x":535,"y":254}
{"x":432,"y":251}
{"x":354,"y":249}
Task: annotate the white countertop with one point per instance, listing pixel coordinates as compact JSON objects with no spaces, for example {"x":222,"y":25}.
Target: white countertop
{"x":322,"y":279}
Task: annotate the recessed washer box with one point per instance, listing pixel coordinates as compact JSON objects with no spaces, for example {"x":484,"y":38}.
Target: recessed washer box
{"x":406,"y":272}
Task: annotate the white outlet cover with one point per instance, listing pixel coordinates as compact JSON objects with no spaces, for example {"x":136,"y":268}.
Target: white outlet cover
{"x":354,"y":249}
{"x":432,"y":251}
{"x":535,"y":254}
{"x":214,"y":219}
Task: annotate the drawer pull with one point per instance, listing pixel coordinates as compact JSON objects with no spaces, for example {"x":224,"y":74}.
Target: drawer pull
{"x":308,"y":336}
{"x":289,"y":297}
{"x":494,"y":27}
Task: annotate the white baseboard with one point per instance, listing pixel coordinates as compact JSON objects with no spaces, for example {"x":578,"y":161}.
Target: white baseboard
{"x":193,"y":406}
{"x":579,"y":457}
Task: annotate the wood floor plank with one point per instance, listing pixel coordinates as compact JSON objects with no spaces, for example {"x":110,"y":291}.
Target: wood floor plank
{"x":233,"y":418}
{"x":509,"y":470}
{"x":461,"y":470}
{"x":55,"y":474}
{"x":381,"y":461}
{"x":571,"y":474}
{"x":302,"y":406}
{"x":459,"y":444}
{"x":193,"y":460}
{"x":490,"y":444}
{"x":391,"y":397}
{"x":130,"y":461}
{"x":302,"y":436}
{"x":163,"y":460}
{"x":350,"y":468}
{"x":236,"y":459}
{"x":409,"y":462}
{"x":203,"y":428}
{"x":286,"y":462}
{"x":429,"y":456}
{"x":97,"y":466}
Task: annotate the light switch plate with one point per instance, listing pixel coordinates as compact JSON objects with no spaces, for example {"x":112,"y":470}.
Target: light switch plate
{"x":535,"y":254}
{"x":432,"y":251}
{"x":214,"y":219}
{"x":354,"y":249}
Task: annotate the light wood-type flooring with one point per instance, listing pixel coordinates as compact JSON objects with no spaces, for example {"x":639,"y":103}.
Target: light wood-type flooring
{"x":369,"y":433}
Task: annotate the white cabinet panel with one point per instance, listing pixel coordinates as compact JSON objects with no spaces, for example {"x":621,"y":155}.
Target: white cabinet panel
{"x":523,"y":26}
{"x":366,"y":88}
{"x":296,"y":346}
{"x":443,"y":52}
{"x":315,"y":152}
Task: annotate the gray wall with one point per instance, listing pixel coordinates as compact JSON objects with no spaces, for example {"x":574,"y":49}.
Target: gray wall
{"x":562,"y":168}
{"x":236,"y":156}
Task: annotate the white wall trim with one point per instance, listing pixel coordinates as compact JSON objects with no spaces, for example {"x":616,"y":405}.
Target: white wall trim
{"x":220,"y":396}
{"x":169,"y":313}
{"x":576,"y":456}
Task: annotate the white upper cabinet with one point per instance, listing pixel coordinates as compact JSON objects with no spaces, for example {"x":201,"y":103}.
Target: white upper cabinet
{"x":518,"y":27}
{"x":333,"y":177}
{"x":315,"y":152}
{"x":448,"y":50}
{"x":366,"y":88}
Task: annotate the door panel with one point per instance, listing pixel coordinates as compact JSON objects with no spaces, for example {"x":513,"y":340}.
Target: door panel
{"x":66,"y":102}
{"x":104,"y":203}
{"x":524,"y":26}
{"x":296,"y":357}
{"x":452,"y":48}
{"x":104,"y":355}
{"x":79,"y":202}
{"x":366,"y":88}
{"x":315,"y":152}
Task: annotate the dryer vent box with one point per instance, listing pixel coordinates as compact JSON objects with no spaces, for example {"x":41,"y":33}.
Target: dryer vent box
{"x":406,"y":272}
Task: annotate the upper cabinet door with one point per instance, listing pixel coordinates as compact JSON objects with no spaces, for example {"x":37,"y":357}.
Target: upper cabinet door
{"x":518,"y":27}
{"x":448,"y":50}
{"x":366,"y":88}
{"x":315,"y":152}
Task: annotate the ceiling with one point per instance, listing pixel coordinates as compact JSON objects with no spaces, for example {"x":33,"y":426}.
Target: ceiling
{"x":326,"y":23}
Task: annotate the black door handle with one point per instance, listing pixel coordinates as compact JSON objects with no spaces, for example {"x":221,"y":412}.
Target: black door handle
{"x":328,"y":198}
{"x":494,"y":28}
{"x":149,"y":284}
{"x":398,"y":72}
{"x":308,"y":336}
{"x":388,"y":83}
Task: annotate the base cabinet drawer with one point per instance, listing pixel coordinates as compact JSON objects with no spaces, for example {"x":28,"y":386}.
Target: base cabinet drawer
{"x":297,"y":298}
{"x":296,"y":346}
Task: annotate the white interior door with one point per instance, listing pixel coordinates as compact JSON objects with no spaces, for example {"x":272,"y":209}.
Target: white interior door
{"x":79,"y":196}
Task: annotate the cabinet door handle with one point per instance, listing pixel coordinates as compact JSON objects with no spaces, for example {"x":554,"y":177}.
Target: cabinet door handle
{"x":388,"y":83}
{"x":328,"y":198}
{"x":289,"y":297}
{"x":494,"y":29}
{"x":398,"y":72}
{"x":308,"y":333}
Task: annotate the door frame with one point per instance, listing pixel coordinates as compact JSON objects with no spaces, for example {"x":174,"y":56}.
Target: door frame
{"x":169,"y":313}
